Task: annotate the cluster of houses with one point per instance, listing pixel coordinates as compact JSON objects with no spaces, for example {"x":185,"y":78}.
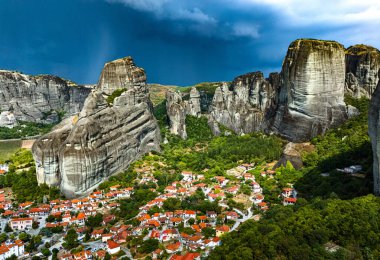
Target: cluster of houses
{"x":165,"y":226}
{"x":9,"y":248}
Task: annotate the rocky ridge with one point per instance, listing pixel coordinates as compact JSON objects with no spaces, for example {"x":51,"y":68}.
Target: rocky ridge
{"x":104,"y":138}
{"x":304,"y":100}
{"x":39,"y":98}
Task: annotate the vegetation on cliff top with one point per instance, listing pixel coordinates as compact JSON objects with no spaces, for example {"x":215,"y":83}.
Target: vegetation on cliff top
{"x":115,"y":94}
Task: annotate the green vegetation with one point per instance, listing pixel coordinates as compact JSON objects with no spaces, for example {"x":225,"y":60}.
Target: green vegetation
{"x":301,"y":232}
{"x":7,"y":148}
{"x":71,"y":239}
{"x":115,"y":94}
{"x":341,"y":147}
{"x":25,"y":129}
{"x":23,"y":181}
{"x":198,"y":129}
{"x":129,"y":208}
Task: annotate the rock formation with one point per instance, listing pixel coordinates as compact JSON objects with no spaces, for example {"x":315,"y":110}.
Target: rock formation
{"x":374,"y":134}
{"x":177,"y":108}
{"x":293,"y":153}
{"x":7,"y":119}
{"x":176,"y":111}
{"x":243,"y":107}
{"x":39,"y":98}
{"x":362,"y":69}
{"x":104,"y":138}
{"x":311,"y":98}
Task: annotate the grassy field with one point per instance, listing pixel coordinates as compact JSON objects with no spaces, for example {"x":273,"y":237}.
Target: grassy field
{"x":7,"y":148}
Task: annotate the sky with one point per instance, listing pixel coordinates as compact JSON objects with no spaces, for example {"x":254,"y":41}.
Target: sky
{"x":177,"y":42}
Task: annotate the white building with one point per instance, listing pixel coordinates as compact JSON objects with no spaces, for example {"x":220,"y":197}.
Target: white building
{"x":21,"y":223}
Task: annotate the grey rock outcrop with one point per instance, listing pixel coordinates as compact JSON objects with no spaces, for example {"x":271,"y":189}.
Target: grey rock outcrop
{"x":374,"y":134}
{"x":242,"y":108}
{"x":362,"y":68}
{"x":7,"y":119}
{"x":293,"y":153}
{"x":311,"y":97}
{"x":119,"y":74}
{"x":104,"y":138}
{"x":177,"y":109}
{"x":39,"y":98}
{"x":193,"y":105}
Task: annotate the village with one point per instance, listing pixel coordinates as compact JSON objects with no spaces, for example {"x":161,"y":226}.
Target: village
{"x":179,"y":233}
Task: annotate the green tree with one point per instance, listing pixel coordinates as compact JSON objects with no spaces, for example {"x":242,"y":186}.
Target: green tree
{"x":172,"y":204}
{"x":208,"y":232}
{"x":71,"y":239}
{"x":148,"y":246}
{"x":3,"y":237}
{"x":7,"y":228}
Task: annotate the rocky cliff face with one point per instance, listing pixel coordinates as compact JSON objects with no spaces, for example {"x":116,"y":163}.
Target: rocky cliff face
{"x":311,"y":98}
{"x":39,"y":98}
{"x":242,"y":108}
{"x":104,"y":138}
{"x":362,"y":68}
{"x":374,"y":134}
{"x":177,"y":108}
{"x":119,"y":74}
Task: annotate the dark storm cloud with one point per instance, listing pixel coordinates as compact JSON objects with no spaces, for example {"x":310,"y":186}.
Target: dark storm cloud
{"x":177,"y":42}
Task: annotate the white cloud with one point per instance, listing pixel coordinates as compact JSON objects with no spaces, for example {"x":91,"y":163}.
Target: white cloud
{"x":245,"y":30}
{"x":335,"y":12}
{"x":143,"y":5}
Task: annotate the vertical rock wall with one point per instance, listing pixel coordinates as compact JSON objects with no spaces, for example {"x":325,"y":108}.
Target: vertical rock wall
{"x":104,"y":138}
{"x":362,"y":68}
{"x":311,"y":97}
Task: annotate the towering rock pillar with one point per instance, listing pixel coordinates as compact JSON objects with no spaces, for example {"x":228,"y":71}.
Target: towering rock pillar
{"x":374,"y":134}
{"x":106,"y":136}
{"x":362,"y":68}
{"x":177,"y":108}
{"x":311,"y":97}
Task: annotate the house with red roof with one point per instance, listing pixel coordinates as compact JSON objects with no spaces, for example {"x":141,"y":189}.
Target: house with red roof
{"x":289,"y":201}
{"x":187,"y":256}
{"x":172,"y":248}
{"x":112,"y":247}
{"x":221,"y":230}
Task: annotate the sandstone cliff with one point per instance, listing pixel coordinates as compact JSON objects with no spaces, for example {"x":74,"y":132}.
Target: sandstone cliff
{"x":311,"y":98}
{"x":374,"y":134}
{"x":362,"y":68}
{"x":177,"y":108}
{"x":39,"y":98}
{"x":104,"y":138}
